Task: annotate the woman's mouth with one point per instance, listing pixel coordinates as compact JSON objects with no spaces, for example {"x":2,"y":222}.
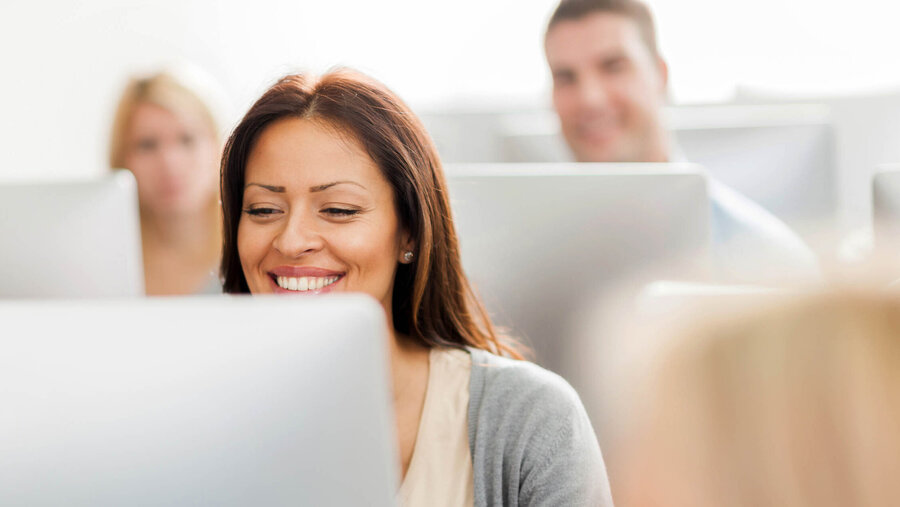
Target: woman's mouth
{"x":304,"y":283}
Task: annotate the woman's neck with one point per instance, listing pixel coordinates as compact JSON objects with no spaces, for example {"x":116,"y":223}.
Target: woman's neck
{"x":408,"y":361}
{"x":179,"y":252}
{"x":409,"y":375}
{"x":187,"y":234}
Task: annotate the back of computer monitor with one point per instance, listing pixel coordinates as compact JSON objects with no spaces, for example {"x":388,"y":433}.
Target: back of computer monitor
{"x":71,"y":239}
{"x":788,"y":169}
{"x":780,"y":156}
{"x":886,"y":207}
{"x":542,"y":242}
{"x":202,"y":401}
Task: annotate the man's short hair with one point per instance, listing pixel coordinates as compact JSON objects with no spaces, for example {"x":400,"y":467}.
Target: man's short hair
{"x":635,"y":10}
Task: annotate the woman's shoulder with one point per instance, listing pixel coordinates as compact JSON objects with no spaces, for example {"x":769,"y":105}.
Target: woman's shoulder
{"x":518,"y":400}
{"x":512,"y":382}
{"x":528,"y":428}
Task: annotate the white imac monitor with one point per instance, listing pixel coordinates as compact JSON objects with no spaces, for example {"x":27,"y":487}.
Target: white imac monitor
{"x":886,"y":207}
{"x":543,"y":241}
{"x":226,"y":401}
{"x":71,"y":239}
{"x":781,"y":156}
{"x":790,"y":170}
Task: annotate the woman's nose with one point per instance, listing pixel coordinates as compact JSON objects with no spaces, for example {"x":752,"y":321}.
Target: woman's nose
{"x":298,"y":236}
{"x":174,"y":160}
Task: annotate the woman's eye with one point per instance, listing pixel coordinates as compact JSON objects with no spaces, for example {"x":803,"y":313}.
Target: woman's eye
{"x":615,"y":65}
{"x":340,"y":212}
{"x":261,"y":212}
{"x":146,"y":145}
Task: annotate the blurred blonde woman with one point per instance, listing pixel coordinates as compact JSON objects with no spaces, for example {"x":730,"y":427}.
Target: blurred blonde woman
{"x":795,"y":406}
{"x":167,"y":134}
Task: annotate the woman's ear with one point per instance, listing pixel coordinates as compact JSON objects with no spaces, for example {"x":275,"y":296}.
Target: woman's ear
{"x":407,"y":249}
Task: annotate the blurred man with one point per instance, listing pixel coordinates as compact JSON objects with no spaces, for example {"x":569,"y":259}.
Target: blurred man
{"x":609,"y":87}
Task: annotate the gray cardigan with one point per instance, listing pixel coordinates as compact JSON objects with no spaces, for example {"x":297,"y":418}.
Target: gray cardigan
{"x":531,"y":441}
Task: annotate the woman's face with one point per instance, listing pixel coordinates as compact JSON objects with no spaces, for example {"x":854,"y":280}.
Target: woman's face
{"x":318,"y":216}
{"x":174,"y":159}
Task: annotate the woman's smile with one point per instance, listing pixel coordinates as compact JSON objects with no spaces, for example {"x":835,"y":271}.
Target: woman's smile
{"x":304,"y":280}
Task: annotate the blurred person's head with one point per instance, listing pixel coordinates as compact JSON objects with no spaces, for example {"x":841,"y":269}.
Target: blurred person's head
{"x":797,"y":405}
{"x":332,"y":184}
{"x":166,"y":133}
{"x":609,"y":80}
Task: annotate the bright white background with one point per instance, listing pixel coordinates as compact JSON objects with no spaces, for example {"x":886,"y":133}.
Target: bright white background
{"x":64,"y":62}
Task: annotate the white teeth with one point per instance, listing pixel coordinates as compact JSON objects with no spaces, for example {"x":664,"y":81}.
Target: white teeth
{"x":305,"y":283}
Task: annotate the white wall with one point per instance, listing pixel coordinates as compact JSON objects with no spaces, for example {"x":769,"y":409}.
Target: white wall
{"x":63,"y":61}
{"x":804,"y":46}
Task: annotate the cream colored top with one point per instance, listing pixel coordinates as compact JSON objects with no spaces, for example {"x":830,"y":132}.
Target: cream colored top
{"x":440,"y":472}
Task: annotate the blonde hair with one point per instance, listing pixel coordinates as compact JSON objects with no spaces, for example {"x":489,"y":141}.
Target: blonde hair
{"x":176,"y":91}
{"x":794,"y":406}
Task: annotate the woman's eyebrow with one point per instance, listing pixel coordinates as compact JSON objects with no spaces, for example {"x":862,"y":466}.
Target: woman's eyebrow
{"x":319,"y":188}
{"x":271,"y":188}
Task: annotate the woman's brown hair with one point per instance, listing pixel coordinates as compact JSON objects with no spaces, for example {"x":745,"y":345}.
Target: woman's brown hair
{"x":433,"y":302}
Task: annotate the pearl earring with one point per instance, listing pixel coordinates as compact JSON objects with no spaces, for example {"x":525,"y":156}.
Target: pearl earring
{"x":408,"y":256}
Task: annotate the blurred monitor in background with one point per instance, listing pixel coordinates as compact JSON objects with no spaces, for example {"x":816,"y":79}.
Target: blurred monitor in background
{"x":166,"y":131}
{"x":71,"y":239}
{"x":609,"y":88}
{"x":781,"y":156}
{"x":879,"y":245}
{"x":791,"y":405}
{"x":886,"y":207}
{"x":542,"y":242}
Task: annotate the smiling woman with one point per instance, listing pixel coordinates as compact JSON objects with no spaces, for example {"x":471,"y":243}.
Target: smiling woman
{"x":338,"y":213}
{"x":332,"y":184}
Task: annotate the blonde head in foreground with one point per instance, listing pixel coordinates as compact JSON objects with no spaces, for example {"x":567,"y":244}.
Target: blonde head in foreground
{"x":794,"y":406}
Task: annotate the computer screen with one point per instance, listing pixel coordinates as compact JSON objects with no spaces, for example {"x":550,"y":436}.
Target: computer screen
{"x":781,"y":156}
{"x":71,"y":239}
{"x":542,"y":241}
{"x":217,"y":400}
{"x":790,"y":170}
{"x":886,"y":208}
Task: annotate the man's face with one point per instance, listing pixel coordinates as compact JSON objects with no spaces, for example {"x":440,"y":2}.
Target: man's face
{"x":608,"y":89}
